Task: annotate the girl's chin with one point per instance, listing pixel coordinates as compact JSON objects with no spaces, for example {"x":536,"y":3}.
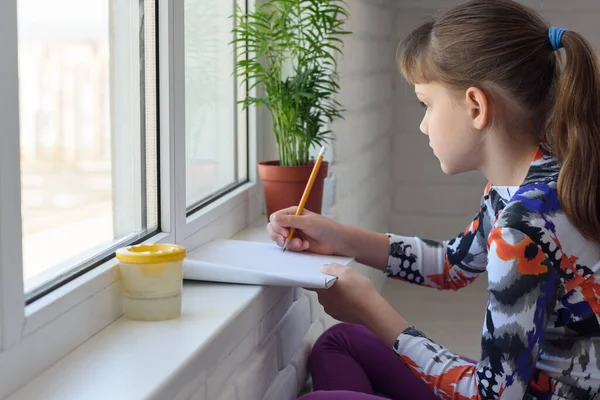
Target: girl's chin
{"x":448,"y":169}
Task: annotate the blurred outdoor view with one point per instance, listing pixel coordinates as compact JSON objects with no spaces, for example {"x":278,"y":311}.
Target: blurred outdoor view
{"x":66,"y":66}
{"x":211,"y":133}
{"x":65,"y":130}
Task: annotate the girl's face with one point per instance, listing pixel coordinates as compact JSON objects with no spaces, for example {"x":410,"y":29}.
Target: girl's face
{"x":451,"y":125}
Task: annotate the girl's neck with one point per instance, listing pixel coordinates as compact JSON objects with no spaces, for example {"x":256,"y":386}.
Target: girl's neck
{"x":507,"y":160}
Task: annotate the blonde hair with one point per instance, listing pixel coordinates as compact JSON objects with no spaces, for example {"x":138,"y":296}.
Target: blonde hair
{"x":503,"y":48}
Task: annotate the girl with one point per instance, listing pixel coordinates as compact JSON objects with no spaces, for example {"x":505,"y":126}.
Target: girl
{"x":497,"y":99}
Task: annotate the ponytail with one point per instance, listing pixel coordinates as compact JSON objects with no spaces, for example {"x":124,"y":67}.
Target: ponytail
{"x":574,"y":135}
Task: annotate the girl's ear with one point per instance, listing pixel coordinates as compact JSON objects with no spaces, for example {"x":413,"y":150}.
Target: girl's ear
{"x":478,"y":107}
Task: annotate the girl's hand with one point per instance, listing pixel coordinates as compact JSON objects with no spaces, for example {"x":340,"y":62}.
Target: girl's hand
{"x":354,"y":299}
{"x":314,"y":232}
{"x":321,"y":235}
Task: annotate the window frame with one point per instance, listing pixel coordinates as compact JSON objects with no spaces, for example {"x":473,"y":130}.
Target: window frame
{"x":35,"y":336}
{"x":11,"y":292}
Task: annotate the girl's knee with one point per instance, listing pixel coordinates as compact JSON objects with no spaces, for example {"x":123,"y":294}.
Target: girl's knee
{"x":340,"y":336}
{"x":334,"y":335}
{"x":330,"y":395}
{"x":346,"y":331}
{"x":311,"y":396}
{"x":339,"y":395}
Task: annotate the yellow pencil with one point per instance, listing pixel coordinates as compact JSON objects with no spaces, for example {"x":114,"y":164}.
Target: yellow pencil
{"x":303,"y":200}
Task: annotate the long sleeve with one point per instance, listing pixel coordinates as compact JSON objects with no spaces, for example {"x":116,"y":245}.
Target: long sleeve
{"x":444,"y":265}
{"x":522,"y":291}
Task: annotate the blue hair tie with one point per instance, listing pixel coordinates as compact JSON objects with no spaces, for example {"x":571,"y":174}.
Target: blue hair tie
{"x":555,"y":34}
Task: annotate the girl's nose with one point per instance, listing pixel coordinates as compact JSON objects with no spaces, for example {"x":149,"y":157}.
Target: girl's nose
{"x":424,"y":127}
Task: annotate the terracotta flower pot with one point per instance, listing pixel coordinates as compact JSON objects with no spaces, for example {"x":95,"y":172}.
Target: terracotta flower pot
{"x":284,"y":186}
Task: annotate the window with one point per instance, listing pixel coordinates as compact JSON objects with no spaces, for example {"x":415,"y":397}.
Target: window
{"x":215,"y":127}
{"x":80,"y":111}
{"x":88,"y":135}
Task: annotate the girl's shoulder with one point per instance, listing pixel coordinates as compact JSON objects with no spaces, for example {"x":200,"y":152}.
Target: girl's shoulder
{"x":532,"y":201}
{"x":537,"y":197}
{"x":535,"y":213}
{"x":534,"y":210}
{"x":544,"y":168}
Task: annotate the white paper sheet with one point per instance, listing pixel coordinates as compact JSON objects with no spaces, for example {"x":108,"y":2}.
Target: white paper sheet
{"x":254,"y":263}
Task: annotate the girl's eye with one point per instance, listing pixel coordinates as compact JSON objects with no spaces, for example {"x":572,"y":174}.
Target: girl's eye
{"x":423,"y":105}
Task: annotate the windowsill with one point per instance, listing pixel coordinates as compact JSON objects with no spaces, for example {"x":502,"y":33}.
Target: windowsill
{"x":130,"y":359}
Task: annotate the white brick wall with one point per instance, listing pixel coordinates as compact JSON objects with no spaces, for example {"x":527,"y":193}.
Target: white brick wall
{"x":362,"y":148}
{"x":271,"y":361}
{"x":362,"y":156}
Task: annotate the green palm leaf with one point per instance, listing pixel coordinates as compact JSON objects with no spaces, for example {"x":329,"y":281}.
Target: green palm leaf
{"x":289,"y":48}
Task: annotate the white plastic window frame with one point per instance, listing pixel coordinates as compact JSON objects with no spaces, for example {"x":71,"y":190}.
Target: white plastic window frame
{"x":11,"y":272}
{"x":34,"y":337}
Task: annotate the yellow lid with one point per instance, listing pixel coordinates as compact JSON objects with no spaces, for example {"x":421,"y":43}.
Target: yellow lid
{"x":151,"y":253}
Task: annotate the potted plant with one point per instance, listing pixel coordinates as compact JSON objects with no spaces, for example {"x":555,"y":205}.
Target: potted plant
{"x":288,"y":49}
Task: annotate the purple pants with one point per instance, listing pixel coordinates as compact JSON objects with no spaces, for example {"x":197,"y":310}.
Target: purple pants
{"x":348,"y":362}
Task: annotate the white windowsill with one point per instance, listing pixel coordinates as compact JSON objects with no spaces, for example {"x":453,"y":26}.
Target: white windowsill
{"x":134,"y":360}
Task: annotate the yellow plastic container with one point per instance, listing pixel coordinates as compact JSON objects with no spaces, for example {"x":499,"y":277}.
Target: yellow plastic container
{"x":152,"y":277}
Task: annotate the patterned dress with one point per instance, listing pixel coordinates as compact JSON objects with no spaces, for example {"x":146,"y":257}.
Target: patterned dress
{"x":541,"y":336}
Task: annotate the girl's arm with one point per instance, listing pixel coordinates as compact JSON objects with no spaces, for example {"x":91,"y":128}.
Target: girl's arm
{"x":523,"y":286}
{"x":369,"y":248}
{"x":444,"y":265}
